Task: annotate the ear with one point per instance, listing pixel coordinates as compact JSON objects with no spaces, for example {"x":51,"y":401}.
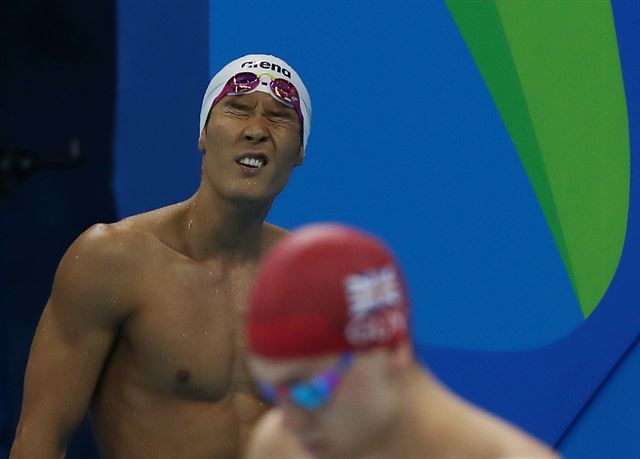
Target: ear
{"x":201,"y":140}
{"x":300,"y":156}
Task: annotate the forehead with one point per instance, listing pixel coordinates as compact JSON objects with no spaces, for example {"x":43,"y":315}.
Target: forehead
{"x":280,"y":370}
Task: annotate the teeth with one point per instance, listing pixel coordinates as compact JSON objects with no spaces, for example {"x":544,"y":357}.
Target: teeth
{"x":251,"y":162}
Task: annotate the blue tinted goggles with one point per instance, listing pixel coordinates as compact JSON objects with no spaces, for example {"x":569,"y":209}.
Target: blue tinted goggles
{"x":313,"y":393}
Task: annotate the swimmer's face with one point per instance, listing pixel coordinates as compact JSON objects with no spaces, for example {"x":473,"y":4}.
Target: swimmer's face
{"x":250,"y":143}
{"x":359,"y":412}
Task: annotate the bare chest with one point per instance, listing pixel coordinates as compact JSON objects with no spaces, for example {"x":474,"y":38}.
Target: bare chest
{"x":186,"y":337}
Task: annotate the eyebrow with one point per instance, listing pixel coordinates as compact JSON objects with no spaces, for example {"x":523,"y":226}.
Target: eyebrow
{"x":282,"y":111}
{"x":233,"y":102}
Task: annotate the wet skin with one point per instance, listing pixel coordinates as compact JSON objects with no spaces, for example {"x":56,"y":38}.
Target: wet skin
{"x":143,"y":326}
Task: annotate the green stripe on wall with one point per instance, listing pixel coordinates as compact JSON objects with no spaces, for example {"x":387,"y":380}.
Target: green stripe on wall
{"x":552,"y":69}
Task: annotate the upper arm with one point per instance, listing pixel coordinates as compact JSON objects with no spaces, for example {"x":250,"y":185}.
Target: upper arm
{"x":77,"y":328}
{"x":271,"y":440}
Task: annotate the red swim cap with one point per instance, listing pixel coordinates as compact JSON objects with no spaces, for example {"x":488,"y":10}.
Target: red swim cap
{"x":326,"y":288}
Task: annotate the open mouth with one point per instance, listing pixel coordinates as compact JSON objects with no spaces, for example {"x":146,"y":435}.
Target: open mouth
{"x":253,"y":161}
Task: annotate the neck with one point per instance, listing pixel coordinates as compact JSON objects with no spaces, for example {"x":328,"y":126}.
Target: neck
{"x":215,"y":226}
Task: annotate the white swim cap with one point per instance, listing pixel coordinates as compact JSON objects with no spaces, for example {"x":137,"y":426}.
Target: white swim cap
{"x":258,"y":63}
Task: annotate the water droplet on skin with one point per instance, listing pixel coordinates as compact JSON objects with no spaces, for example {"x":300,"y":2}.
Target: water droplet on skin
{"x":76,"y":257}
{"x":190,"y":223}
{"x":184,"y":334}
{"x":210,"y":274}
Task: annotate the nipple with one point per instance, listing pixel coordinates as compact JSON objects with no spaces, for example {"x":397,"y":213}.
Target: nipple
{"x":183,"y":376}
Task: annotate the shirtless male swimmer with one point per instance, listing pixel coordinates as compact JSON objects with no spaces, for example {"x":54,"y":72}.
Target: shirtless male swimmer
{"x":328,"y":335}
{"x":144,"y":324}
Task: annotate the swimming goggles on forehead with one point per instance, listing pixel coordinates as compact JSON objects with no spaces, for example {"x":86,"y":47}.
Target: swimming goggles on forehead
{"x":247,"y":82}
{"x":313,"y":393}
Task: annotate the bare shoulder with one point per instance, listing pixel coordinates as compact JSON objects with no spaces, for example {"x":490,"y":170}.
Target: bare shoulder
{"x":517,"y":444}
{"x":105,"y":261}
{"x":102,"y":247}
{"x":118,"y":244}
{"x":271,"y":440}
{"x":528,"y":448}
{"x":97,"y":269}
{"x":469,"y":428}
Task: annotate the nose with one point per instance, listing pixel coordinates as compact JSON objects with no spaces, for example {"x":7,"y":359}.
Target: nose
{"x":255,"y":131}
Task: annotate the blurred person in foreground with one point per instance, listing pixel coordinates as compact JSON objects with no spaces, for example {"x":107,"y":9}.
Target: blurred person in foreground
{"x":328,"y":335}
